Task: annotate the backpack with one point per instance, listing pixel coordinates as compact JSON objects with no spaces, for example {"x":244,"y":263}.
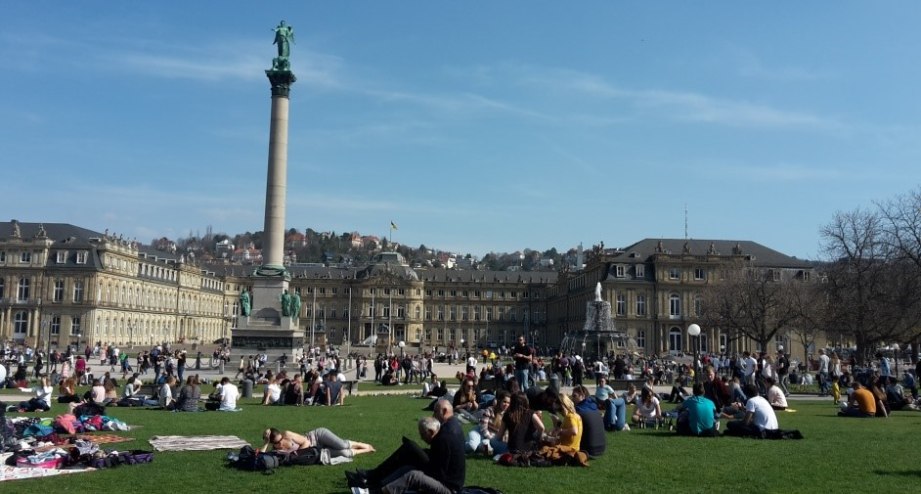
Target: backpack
{"x":252,"y":460}
{"x":306,"y":456}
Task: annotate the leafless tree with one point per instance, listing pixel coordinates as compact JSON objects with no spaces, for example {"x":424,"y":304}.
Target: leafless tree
{"x":752,"y":301}
{"x":872,"y":292}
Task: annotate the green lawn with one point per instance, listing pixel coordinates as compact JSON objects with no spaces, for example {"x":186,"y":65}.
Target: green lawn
{"x":837,"y":455}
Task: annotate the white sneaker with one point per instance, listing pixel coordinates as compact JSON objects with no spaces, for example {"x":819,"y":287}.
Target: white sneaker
{"x":359,"y":490}
{"x":626,"y":427}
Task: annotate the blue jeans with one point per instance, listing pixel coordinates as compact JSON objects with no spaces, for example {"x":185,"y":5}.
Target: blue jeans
{"x":824,"y":383}
{"x":615,"y":414}
{"x":475,"y":440}
{"x":522,"y":376}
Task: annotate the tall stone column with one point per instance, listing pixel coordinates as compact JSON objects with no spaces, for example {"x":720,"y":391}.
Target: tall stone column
{"x":266,"y":326}
{"x":277,"y":177}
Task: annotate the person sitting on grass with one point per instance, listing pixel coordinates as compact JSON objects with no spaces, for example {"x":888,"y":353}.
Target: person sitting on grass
{"x":759,"y":416}
{"x":485,"y":438}
{"x":862,"y":403}
{"x":648,"y":409}
{"x":272,"y":393}
{"x":289,"y":442}
{"x":435,"y":389}
{"x":878,"y":390}
{"x":630,"y":396}
{"x":594,"y":442}
{"x":294,"y":392}
{"x":775,"y":395}
{"x":524,"y":426}
{"x":67,"y":391}
{"x":678,"y":393}
{"x":567,"y":430}
{"x":895,"y":394}
{"x":441,"y":469}
{"x":603,"y":391}
{"x":189,"y":395}
{"x":465,"y":401}
{"x":165,"y":394}
{"x":224,"y":398}
{"x":42,"y":399}
{"x":330,"y":392}
{"x":697,"y":415}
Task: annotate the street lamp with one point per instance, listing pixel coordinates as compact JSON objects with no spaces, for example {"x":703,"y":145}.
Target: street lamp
{"x":694,"y":330}
{"x":401,"y":344}
{"x":895,"y":350}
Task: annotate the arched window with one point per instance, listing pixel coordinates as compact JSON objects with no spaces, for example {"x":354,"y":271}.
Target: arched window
{"x":674,"y":339}
{"x":674,"y":305}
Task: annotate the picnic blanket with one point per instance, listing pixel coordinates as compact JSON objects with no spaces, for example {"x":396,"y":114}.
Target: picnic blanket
{"x":196,"y":443}
{"x":17,"y":473}
{"x":101,"y":438}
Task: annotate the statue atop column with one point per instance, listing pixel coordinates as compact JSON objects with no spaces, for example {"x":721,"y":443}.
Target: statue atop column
{"x":284,"y":36}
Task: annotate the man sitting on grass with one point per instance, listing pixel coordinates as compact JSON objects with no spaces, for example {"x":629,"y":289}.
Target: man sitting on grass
{"x":439,"y":470}
{"x":862,"y":403}
{"x":698,"y":415}
{"x":759,"y":416}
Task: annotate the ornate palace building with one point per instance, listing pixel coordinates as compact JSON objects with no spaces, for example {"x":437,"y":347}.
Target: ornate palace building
{"x":61,"y":284}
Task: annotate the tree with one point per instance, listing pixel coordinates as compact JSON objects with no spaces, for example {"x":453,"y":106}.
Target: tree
{"x":752,"y":301}
{"x":871,"y":289}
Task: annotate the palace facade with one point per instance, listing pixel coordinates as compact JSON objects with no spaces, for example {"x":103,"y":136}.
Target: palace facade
{"x":61,"y":284}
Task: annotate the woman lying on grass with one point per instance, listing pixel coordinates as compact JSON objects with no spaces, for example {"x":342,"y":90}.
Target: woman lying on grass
{"x":323,"y":438}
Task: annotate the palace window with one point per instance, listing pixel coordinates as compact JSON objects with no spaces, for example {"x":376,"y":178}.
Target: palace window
{"x":23,"y":293}
{"x":56,"y":325}
{"x":75,"y":326}
{"x":61,"y":257}
{"x":700,"y":274}
{"x":641,"y":338}
{"x":58,"y":295}
{"x":621,"y":307}
{"x":674,"y":273}
{"x":640,"y":270}
{"x":641,"y":305}
{"x":674,"y":305}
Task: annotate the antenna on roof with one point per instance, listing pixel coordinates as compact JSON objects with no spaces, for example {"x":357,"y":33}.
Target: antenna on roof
{"x":685,"y":221}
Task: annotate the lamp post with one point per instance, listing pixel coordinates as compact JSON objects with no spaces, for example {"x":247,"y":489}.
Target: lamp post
{"x":401,"y":344}
{"x":694,"y":330}
{"x":48,"y":342}
{"x":895,"y":351}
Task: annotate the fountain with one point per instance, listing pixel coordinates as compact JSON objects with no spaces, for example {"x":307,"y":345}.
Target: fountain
{"x":598,"y":335}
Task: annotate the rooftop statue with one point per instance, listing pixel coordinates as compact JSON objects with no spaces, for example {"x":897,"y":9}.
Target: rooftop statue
{"x":284,"y":35}
{"x":598,"y":292}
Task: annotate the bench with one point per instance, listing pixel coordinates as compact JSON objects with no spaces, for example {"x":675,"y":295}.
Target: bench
{"x":623,"y":384}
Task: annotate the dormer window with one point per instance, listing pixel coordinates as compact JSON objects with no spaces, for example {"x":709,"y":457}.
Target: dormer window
{"x":81,"y":257}
{"x":61,"y":257}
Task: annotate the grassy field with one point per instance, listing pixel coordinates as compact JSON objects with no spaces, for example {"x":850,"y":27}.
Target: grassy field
{"x":837,"y":455}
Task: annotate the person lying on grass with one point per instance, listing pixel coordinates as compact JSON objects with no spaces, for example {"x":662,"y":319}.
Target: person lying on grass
{"x":323,"y":438}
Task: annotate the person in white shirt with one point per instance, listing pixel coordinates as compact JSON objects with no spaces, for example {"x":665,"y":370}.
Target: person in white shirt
{"x":228,"y":396}
{"x":759,"y":416}
{"x":824,"y":382}
{"x":775,"y":396}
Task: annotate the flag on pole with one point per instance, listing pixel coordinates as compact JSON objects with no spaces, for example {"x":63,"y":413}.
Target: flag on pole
{"x":393,"y":226}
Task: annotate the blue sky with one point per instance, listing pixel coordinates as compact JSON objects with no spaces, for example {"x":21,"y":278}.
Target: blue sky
{"x":475,"y":126}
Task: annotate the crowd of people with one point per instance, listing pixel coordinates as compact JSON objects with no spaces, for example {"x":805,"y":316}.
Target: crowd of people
{"x":509,"y":416}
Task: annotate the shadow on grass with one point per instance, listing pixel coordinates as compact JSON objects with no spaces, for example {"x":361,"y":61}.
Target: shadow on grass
{"x":901,"y":473}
